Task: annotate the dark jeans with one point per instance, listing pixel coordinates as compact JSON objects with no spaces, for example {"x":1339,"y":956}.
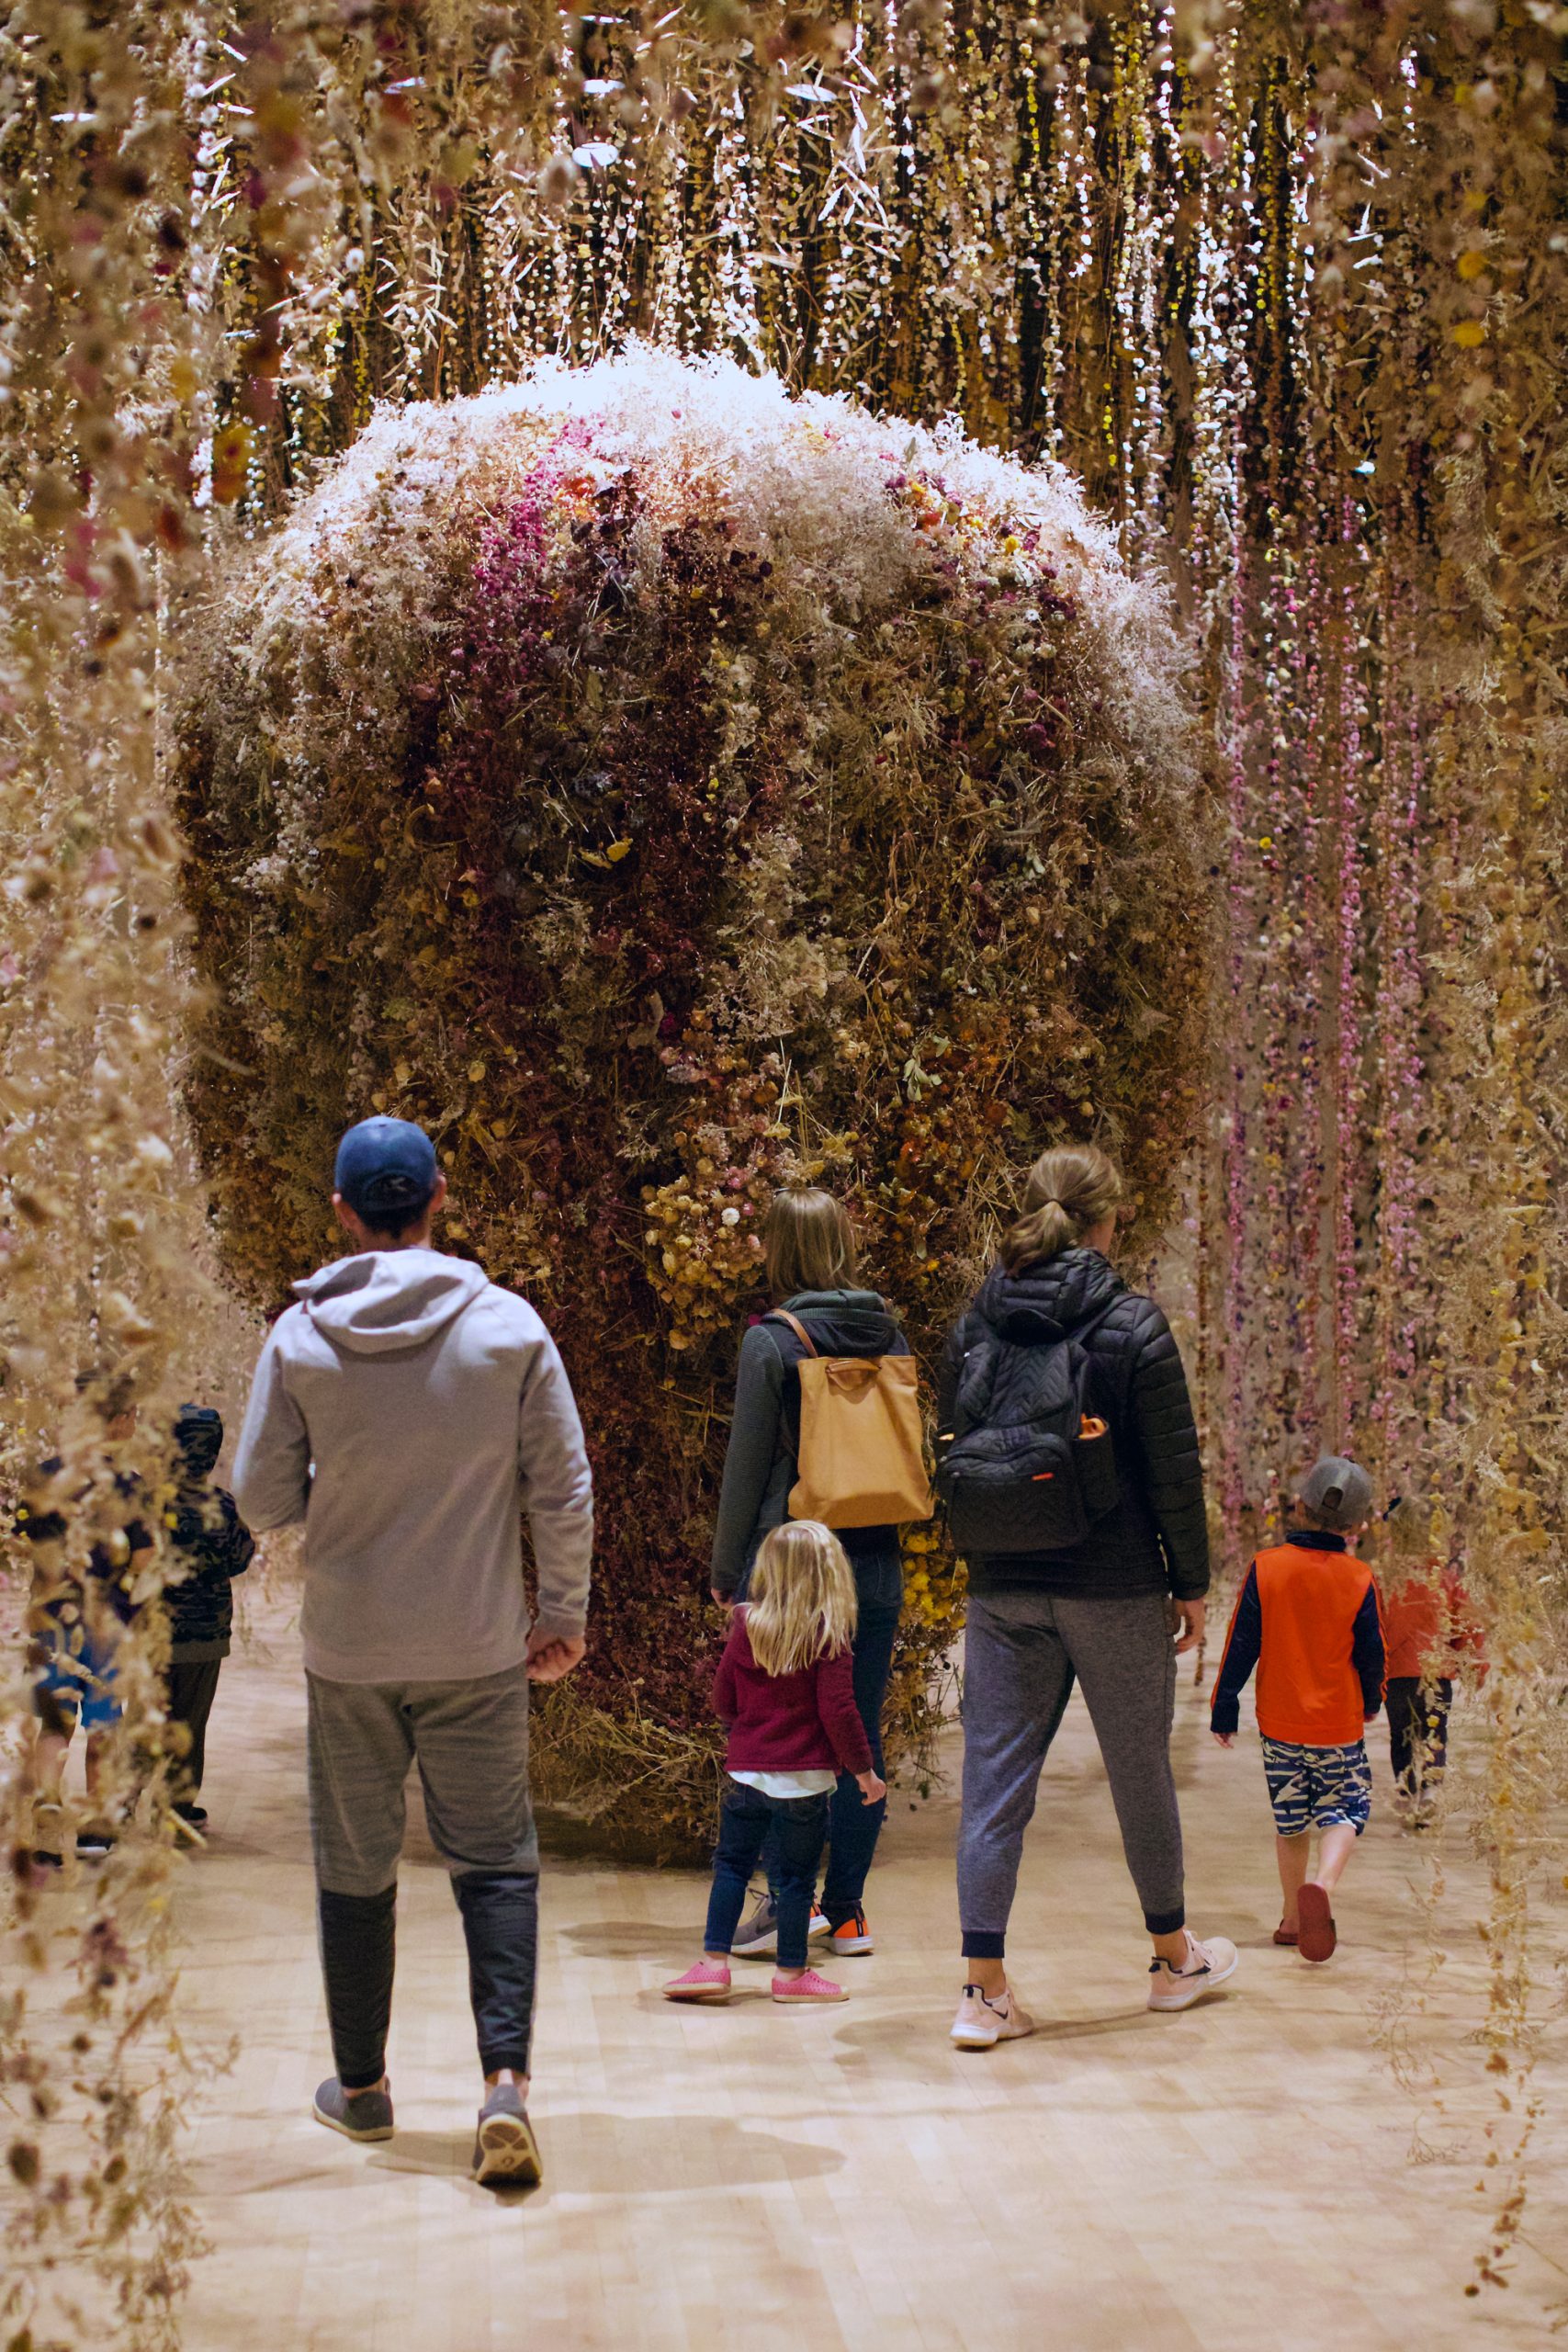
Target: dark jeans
{"x":794,"y":1827}
{"x":1417,"y":1718}
{"x":854,"y":1827}
{"x":192,"y":1688}
{"x":470,"y":1742}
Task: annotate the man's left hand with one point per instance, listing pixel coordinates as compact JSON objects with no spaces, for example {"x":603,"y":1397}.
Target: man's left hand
{"x":551,"y":1656}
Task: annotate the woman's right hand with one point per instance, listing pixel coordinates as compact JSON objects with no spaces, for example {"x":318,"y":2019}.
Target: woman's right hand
{"x":872,"y":1788}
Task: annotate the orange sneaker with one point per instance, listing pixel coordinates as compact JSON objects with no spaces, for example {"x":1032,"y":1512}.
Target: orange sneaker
{"x":852,"y":1935}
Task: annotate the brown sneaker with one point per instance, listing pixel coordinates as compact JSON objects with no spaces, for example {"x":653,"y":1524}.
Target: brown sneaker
{"x":1318,"y":1936}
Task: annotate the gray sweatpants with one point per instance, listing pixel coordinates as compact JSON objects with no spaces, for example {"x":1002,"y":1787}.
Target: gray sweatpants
{"x":1022,"y":1652}
{"x":471,"y":1741}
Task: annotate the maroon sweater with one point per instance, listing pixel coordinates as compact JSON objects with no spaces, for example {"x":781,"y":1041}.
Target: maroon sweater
{"x":805,"y":1721}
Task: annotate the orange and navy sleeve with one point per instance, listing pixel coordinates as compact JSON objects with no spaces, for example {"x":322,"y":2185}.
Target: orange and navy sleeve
{"x":1367,"y":1652}
{"x":1244,"y":1646}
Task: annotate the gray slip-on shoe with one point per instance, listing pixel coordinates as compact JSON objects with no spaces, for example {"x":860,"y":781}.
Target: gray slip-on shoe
{"x":367,"y":2116}
{"x":506,"y":2154}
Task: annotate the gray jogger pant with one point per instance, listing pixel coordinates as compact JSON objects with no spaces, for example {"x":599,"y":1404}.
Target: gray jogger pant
{"x":1023,"y":1651}
{"x":470,"y":1740}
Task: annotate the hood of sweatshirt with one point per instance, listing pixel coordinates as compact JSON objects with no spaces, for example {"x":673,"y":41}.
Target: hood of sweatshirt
{"x":846,"y":1322}
{"x":386,"y":1299}
{"x":1043,"y":1303}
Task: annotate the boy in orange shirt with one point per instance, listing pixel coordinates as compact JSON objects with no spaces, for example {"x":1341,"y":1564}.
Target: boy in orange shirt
{"x":1307,"y":1617}
{"x":1433,"y":1633}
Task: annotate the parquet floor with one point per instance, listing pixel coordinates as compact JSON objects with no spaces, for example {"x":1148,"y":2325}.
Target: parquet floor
{"x":1247,"y":2174}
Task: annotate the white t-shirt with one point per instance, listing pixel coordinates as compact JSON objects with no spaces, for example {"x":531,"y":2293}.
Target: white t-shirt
{"x":820,"y":1783}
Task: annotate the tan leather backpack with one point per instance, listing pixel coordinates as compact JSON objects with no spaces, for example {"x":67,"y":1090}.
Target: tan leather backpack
{"x":862,"y":1460}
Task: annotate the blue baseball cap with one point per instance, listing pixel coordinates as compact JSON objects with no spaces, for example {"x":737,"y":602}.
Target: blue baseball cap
{"x":385,"y":1169}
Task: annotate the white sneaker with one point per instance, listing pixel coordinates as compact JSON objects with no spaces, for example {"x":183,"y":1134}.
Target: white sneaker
{"x":1205,"y":1967}
{"x":983,"y":2021}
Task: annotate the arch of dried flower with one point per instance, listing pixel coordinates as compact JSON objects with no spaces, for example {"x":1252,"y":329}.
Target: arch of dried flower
{"x":1221,"y":256}
{"x":660,"y":790}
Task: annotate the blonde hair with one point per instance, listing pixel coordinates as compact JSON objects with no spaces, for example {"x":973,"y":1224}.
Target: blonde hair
{"x":808,"y":1241}
{"x":1068,"y":1191}
{"x":801,"y":1603}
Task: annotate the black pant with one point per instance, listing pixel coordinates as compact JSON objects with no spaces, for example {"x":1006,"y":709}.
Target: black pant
{"x":501,"y":1927}
{"x":855,"y":1827}
{"x":797,"y":1826}
{"x":1417,"y":1718}
{"x":192,"y":1687}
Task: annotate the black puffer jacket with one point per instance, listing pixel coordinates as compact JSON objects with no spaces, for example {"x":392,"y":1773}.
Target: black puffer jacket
{"x":1156,"y":1537}
{"x":209,"y":1544}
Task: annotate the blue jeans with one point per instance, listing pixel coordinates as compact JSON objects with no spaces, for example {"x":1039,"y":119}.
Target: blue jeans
{"x":793,"y":1828}
{"x":855,"y":1827}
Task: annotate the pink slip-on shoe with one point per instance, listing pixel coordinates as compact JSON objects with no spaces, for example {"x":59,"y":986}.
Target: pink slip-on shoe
{"x":708,"y":1981}
{"x":807,"y":1987}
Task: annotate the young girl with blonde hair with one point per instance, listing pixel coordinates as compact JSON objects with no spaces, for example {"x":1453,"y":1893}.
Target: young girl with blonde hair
{"x":785,"y":1692}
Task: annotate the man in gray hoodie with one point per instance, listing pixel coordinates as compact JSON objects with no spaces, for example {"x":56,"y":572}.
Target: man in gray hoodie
{"x":410,"y":1412}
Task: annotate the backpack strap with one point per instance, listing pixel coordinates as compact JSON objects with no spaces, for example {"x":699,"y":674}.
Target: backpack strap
{"x":1086,"y":1331}
{"x":781,"y":1315}
{"x":1095,"y":1322}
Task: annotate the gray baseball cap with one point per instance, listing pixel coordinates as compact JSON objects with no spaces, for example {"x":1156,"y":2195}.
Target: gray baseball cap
{"x":1338,"y":1492}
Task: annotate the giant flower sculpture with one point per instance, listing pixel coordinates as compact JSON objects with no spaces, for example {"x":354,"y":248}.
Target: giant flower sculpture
{"x":662,"y":787}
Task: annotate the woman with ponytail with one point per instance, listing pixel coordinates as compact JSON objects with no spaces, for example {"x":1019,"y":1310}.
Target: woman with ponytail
{"x":818,"y":1308}
{"x":1061,"y":1391}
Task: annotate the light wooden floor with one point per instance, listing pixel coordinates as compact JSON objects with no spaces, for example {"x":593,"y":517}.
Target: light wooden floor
{"x":1247,"y":2174}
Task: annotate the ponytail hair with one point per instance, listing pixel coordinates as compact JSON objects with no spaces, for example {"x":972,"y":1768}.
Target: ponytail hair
{"x":1068,"y":1191}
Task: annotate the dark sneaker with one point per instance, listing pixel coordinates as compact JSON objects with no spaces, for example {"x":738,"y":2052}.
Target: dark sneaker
{"x":1319,"y":1935}
{"x":851,"y":1936}
{"x":506,"y":2154}
{"x":193,"y":1815}
{"x":758,"y":1936}
{"x":367,"y":2116}
{"x":92,"y":1845}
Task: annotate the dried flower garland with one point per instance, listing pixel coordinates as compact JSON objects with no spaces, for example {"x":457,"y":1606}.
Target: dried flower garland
{"x":1233,"y":264}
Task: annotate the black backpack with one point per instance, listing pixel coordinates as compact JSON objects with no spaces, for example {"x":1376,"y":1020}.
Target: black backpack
{"x":1026,"y":1467}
